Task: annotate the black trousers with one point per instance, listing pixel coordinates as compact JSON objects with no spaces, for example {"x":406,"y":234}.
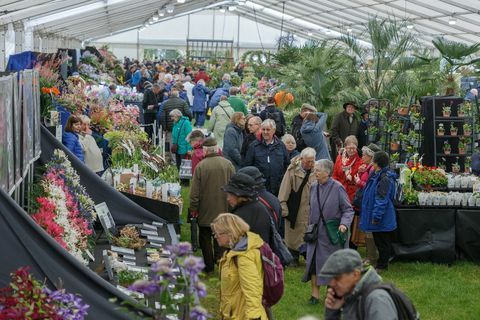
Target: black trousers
{"x":383,"y":241}
{"x":149,"y":118}
{"x":211,"y":252}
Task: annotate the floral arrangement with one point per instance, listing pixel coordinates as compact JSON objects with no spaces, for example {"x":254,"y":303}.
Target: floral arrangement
{"x":129,"y":238}
{"x":28,"y":298}
{"x":124,"y":117}
{"x":65,"y":210}
{"x":171,"y":289}
{"x":428,"y":176}
{"x":129,"y":95}
{"x":73,"y":99}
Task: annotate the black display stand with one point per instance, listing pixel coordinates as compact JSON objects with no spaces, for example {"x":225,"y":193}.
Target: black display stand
{"x":467,"y":230}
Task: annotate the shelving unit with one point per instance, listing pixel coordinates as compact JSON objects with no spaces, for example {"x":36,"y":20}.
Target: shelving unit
{"x":453,"y":140}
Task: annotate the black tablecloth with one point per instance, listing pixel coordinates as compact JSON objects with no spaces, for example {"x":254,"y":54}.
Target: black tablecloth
{"x":467,"y":230}
{"x":425,"y":235}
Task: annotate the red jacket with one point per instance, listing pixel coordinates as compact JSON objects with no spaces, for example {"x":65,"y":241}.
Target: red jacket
{"x":351,"y":168}
{"x":202,"y":75}
{"x":363,"y":174}
{"x":197,"y":154}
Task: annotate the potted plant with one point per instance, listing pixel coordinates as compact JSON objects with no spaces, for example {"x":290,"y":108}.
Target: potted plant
{"x":394,"y":145}
{"x":382,"y":116}
{"x":446,"y":111}
{"x":456,"y":167}
{"x":403,"y":140}
{"x":402,"y":110}
{"x":373,"y":114}
{"x":410,"y":196}
{"x":127,"y":278}
{"x":372,"y":133}
{"x":465,"y":109}
{"x":446,"y":147}
{"x":440,"y":130}
{"x":442,"y":165}
{"x":461,"y":147}
{"x":468,"y":164}
{"x":453,"y":129}
{"x":394,"y":160}
{"x":416,"y":119}
{"x":467,"y":129}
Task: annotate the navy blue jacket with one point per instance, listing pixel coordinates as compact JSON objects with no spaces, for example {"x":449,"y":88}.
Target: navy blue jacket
{"x":215,"y":98}
{"x":199,"y":93}
{"x":272,"y":160}
{"x":378,"y":211}
{"x":312,"y":134}
{"x":70,"y":140}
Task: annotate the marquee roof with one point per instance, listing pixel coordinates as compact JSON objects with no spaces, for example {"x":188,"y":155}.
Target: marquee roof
{"x":317,"y":19}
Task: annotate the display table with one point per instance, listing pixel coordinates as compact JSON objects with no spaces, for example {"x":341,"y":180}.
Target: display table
{"x":467,"y":230}
{"x":165,"y":210}
{"x":425,"y":235}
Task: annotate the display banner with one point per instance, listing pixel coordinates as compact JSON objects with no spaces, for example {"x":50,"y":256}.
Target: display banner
{"x":17,"y":127}
{"x":37,"y":122}
{"x":27,"y":117}
{"x":3,"y":135}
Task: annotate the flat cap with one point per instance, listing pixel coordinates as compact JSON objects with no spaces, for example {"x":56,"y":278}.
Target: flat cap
{"x":341,"y":261}
{"x":309,"y":107}
{"x":210,"y":142}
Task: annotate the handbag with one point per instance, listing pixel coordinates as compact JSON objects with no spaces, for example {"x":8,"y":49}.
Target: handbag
{"x":174,"y":147}
{"x":357,"y":198}
{"x":331,"y":225}
{"x":311,"y":233}
{"x":293,"y":202}
{"x":278,"y":245}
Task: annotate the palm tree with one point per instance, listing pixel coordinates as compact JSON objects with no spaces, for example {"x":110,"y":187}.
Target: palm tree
{"x":383,"y":64}
{"x":454,"y":55}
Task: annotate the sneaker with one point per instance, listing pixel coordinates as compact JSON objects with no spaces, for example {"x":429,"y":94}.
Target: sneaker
{"x":314,"y":301}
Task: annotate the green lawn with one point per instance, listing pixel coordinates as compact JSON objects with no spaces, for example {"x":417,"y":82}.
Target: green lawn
{"x":438,"y":291}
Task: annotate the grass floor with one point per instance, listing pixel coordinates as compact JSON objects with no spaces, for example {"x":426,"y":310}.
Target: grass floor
{"x":438,"y":291}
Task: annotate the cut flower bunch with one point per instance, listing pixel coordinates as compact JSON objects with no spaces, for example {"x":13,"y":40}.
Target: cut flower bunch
{"x":65,"y":210}
{"x":28,"y":299}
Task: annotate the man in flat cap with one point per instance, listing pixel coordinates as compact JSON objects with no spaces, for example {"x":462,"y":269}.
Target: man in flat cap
{"x":350,"y":285}
{"x":207,"y":200}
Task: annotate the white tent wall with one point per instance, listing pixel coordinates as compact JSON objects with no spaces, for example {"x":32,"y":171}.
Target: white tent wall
{"x":172,"y":34}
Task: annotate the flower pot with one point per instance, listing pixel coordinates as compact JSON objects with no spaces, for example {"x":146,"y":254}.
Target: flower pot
{"x":461,"y":150}
{"x":447,"y":151}
{"x":403,"y":111}
{"x":417,"y":126}
{"x":371,"y":137}
{"x":422,"y":198}
{"x":456,"y":169}
{"x":394,"y":146}
{"x":440,"y":132}
{"x":477,"y":202}
{"x":394,"y":135}
{"x":453,"y":132}
{"x":443,"y":200}
{"x":460,"y":114}
{"x":471,"y":201}
{"x":467,"y":169}
{"x":467,"y":132}
{"x":373,"y":117}
{"x":446,"y":114}
{"x":381,"y":123}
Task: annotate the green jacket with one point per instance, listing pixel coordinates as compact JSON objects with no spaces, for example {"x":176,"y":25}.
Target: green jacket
{"x":206,"y":196}
{"x":180,"y":131}
{"x":237,"y":104}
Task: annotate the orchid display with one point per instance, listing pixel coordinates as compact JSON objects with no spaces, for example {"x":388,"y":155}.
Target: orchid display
{"x":65,"y":210}
{"x":172,"y":289}
{"x":28,"y":298}
{"x":124,"y":117}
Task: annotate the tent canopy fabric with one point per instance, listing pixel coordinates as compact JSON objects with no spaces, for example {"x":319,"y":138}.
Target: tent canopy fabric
{"x":316,"y":19}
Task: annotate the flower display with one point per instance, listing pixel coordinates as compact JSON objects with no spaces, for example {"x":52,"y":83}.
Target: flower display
{"x":28,"y":298}
{"x":65,"y":210}
{"x":171,"y":289}
{"x":124,"y":117}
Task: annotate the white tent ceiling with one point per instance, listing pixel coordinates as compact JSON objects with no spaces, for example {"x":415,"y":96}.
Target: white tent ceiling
{"x":317,"y":19}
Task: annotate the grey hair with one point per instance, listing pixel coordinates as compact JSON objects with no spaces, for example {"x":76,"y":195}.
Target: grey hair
{"x":308,"y":153}
{"x":269,"y":123}
{"x":201,"y":81}
{"x":325,"y":165}
{"x":211,"y":149}
{"x":168,"y":76}
{"x":288,"y":137}
{"x":369,"y":152}
{"x":175,"y":113}
{"x":226,"y":76}
{"x":174,"y":93}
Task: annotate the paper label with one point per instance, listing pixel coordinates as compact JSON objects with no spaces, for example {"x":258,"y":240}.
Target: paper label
{"x":123,"y":250}
{"x":158,"y":224}
{"x":90,"y":255}
{"x":59,"y":132}
{"x":148,"y":233}
{"x":105,"y":217}
{"x":149,"y":226}
{"x":155,"y":238}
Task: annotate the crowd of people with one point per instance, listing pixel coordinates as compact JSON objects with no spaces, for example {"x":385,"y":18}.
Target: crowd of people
{"x":325,"y":189}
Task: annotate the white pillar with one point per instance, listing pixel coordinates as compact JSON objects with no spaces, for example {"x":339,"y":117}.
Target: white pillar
{"x":9,"y":41}
{"x":27,"y":39}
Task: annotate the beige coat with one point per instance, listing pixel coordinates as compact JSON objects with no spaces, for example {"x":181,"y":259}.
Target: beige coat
{"x":291,"y":181}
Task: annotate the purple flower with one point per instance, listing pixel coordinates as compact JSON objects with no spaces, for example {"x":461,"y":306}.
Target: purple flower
{"x":193,"y":265}
{"x":199,"y":313}
{"x":70,"y":306}
{"x":145,"y":287}
{"x":181,"y":249}
{"x":201,"y":289}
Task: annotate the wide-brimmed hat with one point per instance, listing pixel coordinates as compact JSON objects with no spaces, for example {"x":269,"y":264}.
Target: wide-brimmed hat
{"x":340,"y":262}
{"x":241,"y":185}
{"x":351,"y":103}
{"x":255,"y":174}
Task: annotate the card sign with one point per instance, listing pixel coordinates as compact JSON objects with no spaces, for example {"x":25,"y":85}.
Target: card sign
{"x":155,"y":238}
{"x":59,"y":132}
{"x":105,"y":217}
{"x":90,"y":255}
{"x":148,"y":232}
{"x":123,"y":250}
{"x":108,"y":265}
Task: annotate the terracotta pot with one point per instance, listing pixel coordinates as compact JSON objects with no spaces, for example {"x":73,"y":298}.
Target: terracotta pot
{"x":403,"y":111}
{"x":447,"y":151}
{"x":461,"y":150}
{"x":440,"y":132}
{"x":467,"y":132}
{"x":394,"y":146}
{"x":446,"y":114}
{"x":453,"y":132}
{"x":460,"y":114}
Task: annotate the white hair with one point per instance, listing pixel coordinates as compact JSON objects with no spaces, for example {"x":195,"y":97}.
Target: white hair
{"x":325,"y":165}
{"x":269,"y":123}
{"x":288,"y":138}
{"x":168,"y":76}
{"x":175,"y":113}
{"x":226,"y":77}
{"x":308,"y":153}
{"x":201,"y":81}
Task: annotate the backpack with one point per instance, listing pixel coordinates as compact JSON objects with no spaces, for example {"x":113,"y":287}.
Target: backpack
{"x":405,"y":308}
{"x":273,"y":285}
{"x":397,"y":196}
{"x":277,"y":117}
